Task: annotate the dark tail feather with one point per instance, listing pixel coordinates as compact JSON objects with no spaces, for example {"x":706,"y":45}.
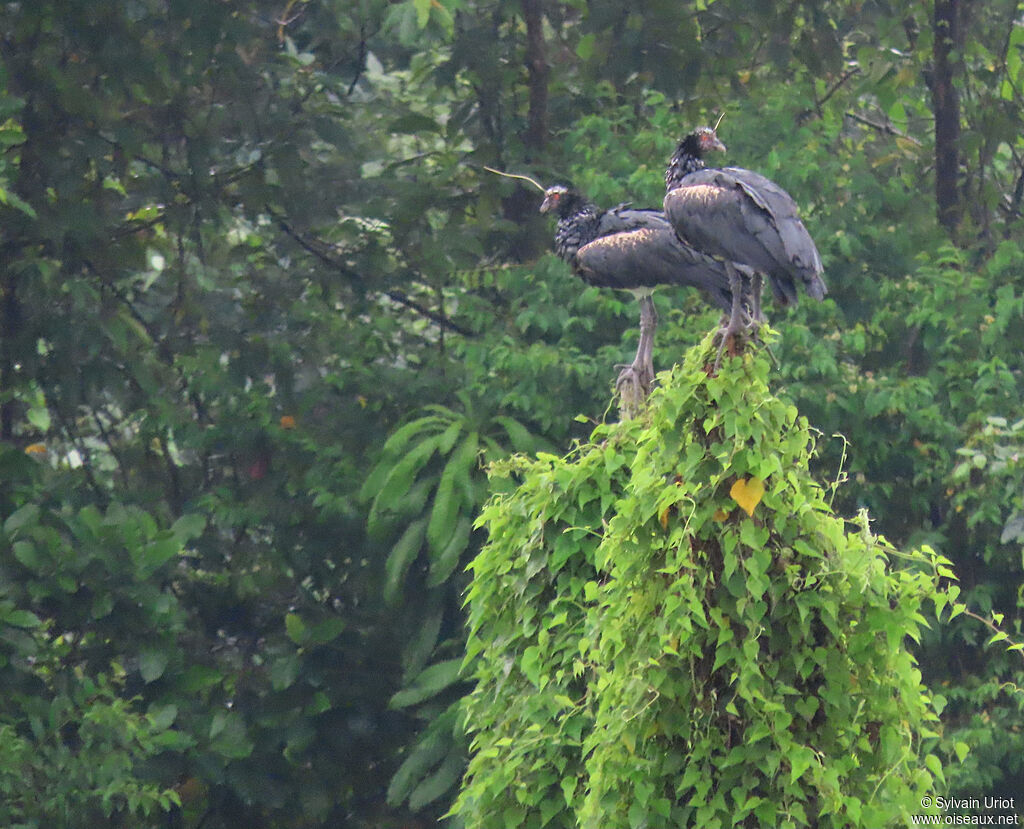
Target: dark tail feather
{"x":816,"y":288}
{"x":783,"y":289}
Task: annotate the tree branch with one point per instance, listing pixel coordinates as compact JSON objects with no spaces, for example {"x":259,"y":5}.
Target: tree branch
{"x":75,"y":439}
{"x":946,"y":109}
{"x":322,"y":251}
{"x":538,"y":71}
{"x":1013,"y":202}
{"x":172,"y":473}
{"x":108,"y":440}
{"x":361,"y":59}
{"x":806,"y":114}
{"x":887,"y":129}
{"x":849,"y":73}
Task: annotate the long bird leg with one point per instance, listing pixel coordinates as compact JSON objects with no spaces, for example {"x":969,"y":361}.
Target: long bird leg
{"x":736,"y":323}
{"x":756,"y":287}
{"x":645,"y":348}
{"x":757,"y":315}
{"x":637,"y":379}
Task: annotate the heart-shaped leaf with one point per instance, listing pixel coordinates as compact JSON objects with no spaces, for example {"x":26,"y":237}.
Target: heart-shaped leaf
{"x":747,"y":492}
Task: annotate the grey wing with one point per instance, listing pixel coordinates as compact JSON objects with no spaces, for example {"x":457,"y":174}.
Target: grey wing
{"x":711,"y":215}
{"x":750,"y":220}
{"x":648,"y":257}
{"x":778,"y":207}
{"x":623,"y":218}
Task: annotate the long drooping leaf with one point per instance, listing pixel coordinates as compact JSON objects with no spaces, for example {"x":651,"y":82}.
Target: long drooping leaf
{"x":444,"y":561}
{"x":393,"y":450}
{"x":401,"y":558}
{"x":432,"y":747}
{"x":429,"y":683}
{"x":450,"y":496}
{"x":401,"y":476}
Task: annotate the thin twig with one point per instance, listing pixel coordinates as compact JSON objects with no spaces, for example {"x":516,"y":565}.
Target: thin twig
{"x":109,"y":441}
{"x":317,"y":249}
{"x":887,"y":129}
{"x":849,"y":73}
{"x":360,"y":61}
{"x":83,"y":451}
{"x":991,"y":626}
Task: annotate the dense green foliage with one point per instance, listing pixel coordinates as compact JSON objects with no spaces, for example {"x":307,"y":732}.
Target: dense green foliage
{"x":650,"y":654}
{"x":263,"y":318}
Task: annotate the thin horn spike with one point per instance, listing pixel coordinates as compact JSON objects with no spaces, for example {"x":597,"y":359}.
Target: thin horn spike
{"x":515,"y":175}
{"x":719,"y":121}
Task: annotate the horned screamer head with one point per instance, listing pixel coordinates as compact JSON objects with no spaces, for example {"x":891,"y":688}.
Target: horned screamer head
{"x":702,"y":140}
{"x":562,"y":200}
{"x":689,"y":155}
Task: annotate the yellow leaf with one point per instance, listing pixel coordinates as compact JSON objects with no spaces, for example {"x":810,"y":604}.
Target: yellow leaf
{"x":663,"y":518}
{"x":287,"y":422}
{"x":720,"y":515}
{"x":747,"y":492}
{"x":35,"y":449}
{"x":629,"y":741}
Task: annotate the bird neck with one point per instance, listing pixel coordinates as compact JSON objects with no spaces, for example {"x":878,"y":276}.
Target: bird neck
{"x":683,"y":162}
{"x":576,"y":230}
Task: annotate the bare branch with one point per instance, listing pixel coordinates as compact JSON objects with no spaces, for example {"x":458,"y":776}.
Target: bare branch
{"x":849,"y":73}
{"x":323,"y":251}
{"x":887,"y":129}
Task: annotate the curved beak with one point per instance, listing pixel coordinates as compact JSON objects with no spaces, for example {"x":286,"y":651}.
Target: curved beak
{"x":549,"y":202}
{"x":713,"y":143}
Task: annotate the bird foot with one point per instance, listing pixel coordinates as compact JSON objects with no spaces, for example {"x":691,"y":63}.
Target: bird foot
{"x":733,"y":341}
{"x":743,"y":321}
{"x":732,"y":337}
{"x":633,"y":386}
